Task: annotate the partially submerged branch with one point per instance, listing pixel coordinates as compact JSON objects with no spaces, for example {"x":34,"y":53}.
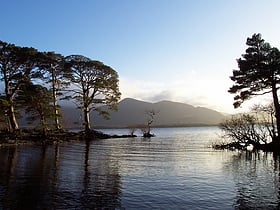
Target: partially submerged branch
{"x":256,"y":130}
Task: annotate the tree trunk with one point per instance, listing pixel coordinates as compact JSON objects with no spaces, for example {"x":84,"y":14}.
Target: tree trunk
{"x":56,"y":113}
{"x":55,"y":106}
{"x":56,"y":120}
{"x":9,"y":127}
{"x":277,"y":113}
{"x":13,"y":125}
{"x":12,"y":117}
{"x":86,"y":119}
{"x":43,"y":124}
{"x":149,"y":128}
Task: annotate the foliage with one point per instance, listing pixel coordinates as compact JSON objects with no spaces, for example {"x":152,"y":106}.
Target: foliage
{"x":55,"y":74}
{"x":94,"y":84}
{"x":258,"y":74}
{"x":36,"y":100}
{"x":17,"y":66}
{"x":258,"y":70}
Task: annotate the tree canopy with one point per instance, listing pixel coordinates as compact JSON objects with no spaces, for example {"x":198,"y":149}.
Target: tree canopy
{"x":17,"y":65}
{"x":259,"y":70}
{"x":94,"y":84}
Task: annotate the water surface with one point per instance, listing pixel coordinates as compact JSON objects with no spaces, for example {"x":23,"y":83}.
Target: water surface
{"x":176,"y":169}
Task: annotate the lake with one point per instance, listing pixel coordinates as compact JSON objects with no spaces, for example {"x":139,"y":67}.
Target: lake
{"x":177,"y":169}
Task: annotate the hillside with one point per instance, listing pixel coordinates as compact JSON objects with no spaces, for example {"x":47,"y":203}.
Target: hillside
{"x":132,"y":112}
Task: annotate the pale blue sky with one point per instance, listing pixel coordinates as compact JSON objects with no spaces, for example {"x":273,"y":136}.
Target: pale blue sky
{"x":180,"y":50}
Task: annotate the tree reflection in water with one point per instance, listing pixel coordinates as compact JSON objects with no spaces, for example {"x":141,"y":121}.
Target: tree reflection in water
{"x":161,"y":173}
{"x":34,"y":177}
{"x":256,"y":175}
{"x":101,"y":185}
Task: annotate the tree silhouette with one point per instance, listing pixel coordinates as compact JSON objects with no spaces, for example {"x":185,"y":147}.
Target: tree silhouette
{"x":94,"y":84}
{"x":55,"y":74}
{"x":150,"y":119}
{"x":245,"y":130}
{"x":17,"y":65}
{"x":258,"y":74}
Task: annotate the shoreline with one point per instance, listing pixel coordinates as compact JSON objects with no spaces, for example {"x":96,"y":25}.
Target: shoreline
{"x":31,"y":136}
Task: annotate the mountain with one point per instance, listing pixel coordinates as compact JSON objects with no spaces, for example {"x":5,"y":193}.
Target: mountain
{"x":132,"y":112}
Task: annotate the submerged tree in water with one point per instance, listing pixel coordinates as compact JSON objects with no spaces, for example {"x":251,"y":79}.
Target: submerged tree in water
{"x":150,"y":119}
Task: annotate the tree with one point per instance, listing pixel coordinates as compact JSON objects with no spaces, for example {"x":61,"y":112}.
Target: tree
{"x":94,"y":84}
{"x":4,"y":120}
{"x":247,"y":129}
{"x":37,"y":102}
{"x":265,"y":115}
{"x":132,"y":129}
{"x":150,"y":119}
{"x":17,"y":65}
{"x":258,"y":74}
{"x":55,"y":74}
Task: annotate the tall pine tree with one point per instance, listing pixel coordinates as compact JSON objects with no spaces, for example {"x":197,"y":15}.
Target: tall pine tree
{"x":258,"y":74}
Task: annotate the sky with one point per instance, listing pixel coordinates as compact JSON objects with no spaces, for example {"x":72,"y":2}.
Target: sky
{"x":179,"y":50}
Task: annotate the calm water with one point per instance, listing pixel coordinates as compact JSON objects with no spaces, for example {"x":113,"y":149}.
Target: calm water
{"x":175,"y":170}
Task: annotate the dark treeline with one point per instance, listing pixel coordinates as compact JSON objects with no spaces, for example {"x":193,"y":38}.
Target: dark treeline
{"x":34,"y":81}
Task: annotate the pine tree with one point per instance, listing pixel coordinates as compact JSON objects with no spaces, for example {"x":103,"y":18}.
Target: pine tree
{"x":258,"y":74}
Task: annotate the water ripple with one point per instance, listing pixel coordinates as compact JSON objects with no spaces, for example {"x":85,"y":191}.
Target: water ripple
{"x":175,"y":169}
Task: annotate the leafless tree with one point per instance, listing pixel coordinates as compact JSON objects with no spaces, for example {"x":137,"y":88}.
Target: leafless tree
{"x":257,"y":128}
{"x":150,"y":119}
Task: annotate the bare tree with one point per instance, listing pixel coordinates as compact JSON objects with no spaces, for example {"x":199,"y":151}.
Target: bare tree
{"x":150,"y":119}
{"x":132,"y":129}
{"x":257,"y":128}
{"x":266,"y":116}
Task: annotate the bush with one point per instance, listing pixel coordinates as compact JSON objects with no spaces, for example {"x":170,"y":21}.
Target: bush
{"x":245,"y":130}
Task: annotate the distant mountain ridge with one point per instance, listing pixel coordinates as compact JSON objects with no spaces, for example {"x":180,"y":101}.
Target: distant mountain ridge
{"x":132,"y":112}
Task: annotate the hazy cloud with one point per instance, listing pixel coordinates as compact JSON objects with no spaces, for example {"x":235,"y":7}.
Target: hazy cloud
{"x":163,"y":95}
